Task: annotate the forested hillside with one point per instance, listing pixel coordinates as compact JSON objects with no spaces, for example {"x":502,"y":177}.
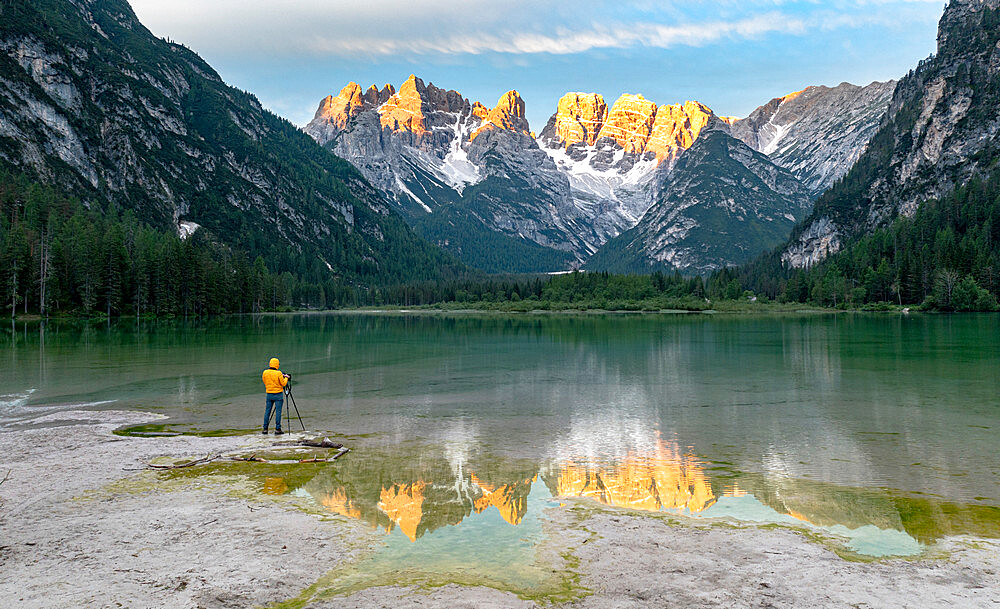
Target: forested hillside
{"x":946,"y":255}
{"x":56,"y":255}
{"x":96,"y":107}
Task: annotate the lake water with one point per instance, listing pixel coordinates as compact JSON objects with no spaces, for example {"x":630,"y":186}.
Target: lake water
{"x":881,"y":430}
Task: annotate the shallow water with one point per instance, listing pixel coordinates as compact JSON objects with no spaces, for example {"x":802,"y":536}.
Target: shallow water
{"x":881,"y":430}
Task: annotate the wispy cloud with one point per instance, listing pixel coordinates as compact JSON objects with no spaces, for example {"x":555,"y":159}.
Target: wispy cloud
{"x":444,"y":27}
{"x":563,"y":41}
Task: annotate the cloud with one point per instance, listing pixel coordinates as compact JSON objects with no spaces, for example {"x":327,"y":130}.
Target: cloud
{"x":564,"y":41}
{"x":381,"y":28}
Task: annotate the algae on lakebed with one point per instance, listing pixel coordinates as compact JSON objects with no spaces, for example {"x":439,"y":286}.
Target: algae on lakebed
{"x":412,"y":490}
{"x":170,"y":429}
{"x":870,"y":523}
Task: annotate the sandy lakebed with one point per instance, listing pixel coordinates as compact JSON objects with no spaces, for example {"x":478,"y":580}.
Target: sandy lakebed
{"x":82,"y":524}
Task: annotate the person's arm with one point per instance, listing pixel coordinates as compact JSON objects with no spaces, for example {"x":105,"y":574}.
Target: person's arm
{"x":284,"y":380}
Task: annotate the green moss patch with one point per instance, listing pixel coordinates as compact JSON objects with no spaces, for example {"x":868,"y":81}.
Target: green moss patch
{"x":169,"y":429}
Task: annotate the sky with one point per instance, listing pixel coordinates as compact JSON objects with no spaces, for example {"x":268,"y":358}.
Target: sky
{"x":732,"y":55}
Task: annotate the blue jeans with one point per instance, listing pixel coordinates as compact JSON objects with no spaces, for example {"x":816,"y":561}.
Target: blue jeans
{"x":276,"y":401}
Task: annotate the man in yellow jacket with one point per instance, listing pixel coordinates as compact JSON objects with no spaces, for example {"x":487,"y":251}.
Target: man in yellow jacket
{"x":274,"y":384}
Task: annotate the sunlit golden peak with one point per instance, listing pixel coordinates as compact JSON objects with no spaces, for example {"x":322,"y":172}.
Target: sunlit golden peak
{"x":579,"y":118}
{"x":634,"y":123}
{"x":508,"y":114}
{"x":792,"y":96}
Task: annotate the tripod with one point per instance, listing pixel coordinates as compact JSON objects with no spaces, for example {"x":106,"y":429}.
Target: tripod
{"x":288,"y":411}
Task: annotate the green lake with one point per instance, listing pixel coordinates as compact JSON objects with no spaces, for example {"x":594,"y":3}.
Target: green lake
{"x":882,"y":431}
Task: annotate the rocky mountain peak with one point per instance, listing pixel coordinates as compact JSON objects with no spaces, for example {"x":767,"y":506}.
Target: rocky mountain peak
{"x":336,"y":112}
{"x":633,"y":124}
{"x":480,"y":111}
{"x":630,"y":122}
{"x":791,"y":96}
{"x":350,"y":92}
{"x":611,"y":154}
{"x":508,"y":114}
{"x":676,"y":127}
{"x":600,"y":166}
{"x":375,"y":97}
{"x":415,"y":109}
{"x":819,"y":132}
{"x":510,"y":106}
{"x":718,"y":188}
{"x":579,"y":118}
{"x":404,"y":111}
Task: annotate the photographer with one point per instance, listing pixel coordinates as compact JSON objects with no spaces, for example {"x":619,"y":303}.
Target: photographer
{"x":274,"y":384}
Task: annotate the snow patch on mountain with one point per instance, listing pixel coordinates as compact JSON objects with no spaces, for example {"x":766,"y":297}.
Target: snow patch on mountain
{"x":456,"y":168}
{"x":402,"y":187}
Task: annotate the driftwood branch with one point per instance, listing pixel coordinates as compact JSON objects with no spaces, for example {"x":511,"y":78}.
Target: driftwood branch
{"x":320,"y":443}
{"x":250,"y":458}
{"x":340,"y":453}
{"x":7,"y":477}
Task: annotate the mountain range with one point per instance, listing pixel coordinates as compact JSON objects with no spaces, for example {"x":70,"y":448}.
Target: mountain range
{"x":606,"y":187}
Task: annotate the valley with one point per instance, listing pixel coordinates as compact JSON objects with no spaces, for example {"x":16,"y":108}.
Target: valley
{"x":633,"y":353}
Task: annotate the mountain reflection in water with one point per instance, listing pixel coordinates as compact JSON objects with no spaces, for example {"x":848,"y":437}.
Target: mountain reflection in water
{"x":663,"y":480}
{"x":419,"y":490}
{"x":419,"y":494}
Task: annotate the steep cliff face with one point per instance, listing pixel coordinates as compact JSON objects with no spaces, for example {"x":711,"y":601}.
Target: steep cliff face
{"x":817,"y":133}
{"x":941,"y":130}
{"x":721,"y":204}
{"x":468,"y":177}
{"x":91,"y":102}
{"x":634,"y":125}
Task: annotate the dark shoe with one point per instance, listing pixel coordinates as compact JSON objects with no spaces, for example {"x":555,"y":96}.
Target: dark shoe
{"x":278,"y":432}
{"x":264,"y":432}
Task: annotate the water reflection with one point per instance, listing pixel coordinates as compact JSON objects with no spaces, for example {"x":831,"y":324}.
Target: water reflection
{"x":455,"y":416}
{"x":662,"y":480}
{"x":420,"y":490}
{"x":511,"y":500}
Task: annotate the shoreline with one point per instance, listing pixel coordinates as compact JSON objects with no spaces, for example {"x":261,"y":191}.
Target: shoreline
{"x":431,"y":310}
{"x":78,"y":499}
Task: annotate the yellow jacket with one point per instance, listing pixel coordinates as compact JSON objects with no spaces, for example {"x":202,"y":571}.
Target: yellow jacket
{"x":274,"y":380}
